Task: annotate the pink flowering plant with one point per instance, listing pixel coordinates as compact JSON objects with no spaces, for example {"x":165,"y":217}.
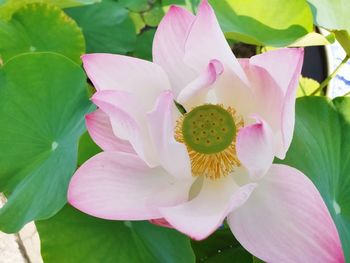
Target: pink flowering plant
{"x":184,"y":153}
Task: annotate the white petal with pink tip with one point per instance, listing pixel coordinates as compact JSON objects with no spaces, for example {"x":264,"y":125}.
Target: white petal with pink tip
{"x":120,"y":186}
{"x":286,"y":220}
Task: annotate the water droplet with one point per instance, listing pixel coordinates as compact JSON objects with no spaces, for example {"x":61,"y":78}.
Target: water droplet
{"x":32,"y":49}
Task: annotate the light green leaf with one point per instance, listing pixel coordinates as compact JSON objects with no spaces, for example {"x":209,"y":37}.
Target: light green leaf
{"x":343,"y":38}
{"x":313,"y":39}
{"x":333,"y":15}
{"x":153,"y":17}
{"x":8,"y":7}
{"x":72,"y":3}
{"x":72,"y":237}
{"x":138,"y":21}
{"x":43,"y":100}
{"x":41,"y":27}
{"x":269,"y":22}
{"x":307,"y":86}
{"x":221,"y":247}
{"x":107,"y":27}
{"x":321,"y":150}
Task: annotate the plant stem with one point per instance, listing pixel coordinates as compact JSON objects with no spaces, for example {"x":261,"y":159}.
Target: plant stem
{"x":331,"y":76}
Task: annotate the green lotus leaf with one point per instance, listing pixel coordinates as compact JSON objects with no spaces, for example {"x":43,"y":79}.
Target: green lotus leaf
{"x":270,"y":22}
{"x":43,"y":100}
{"x":153,"y":17}
{"x":137,"y":5}
{"x":143,"y":48}
{"x":307,"y":86}
{"x":321,"y":150}
{"x":39,"y":28}
{"x":333,"y":15}
{"x":8,"y":7}
{"x":107,"y":27}
{"x":72,"y":236}
{"x":221,"y":247}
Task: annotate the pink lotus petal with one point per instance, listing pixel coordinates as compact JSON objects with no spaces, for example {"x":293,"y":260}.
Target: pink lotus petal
{"x":100,"y":130}
{"x":285,"y":220}
{"x":115,"y":72}
{"x":267,"y":100}
{"x":128,"y":121}
{"x":230,"y":90}
{"x":201,"y":216}
{"x":195,"y":93}
{"x":284,"y":65}
{"x":120,"y":186}
{"x":268,"y":95}
{"x":172,"y":155}
{"x":169,"y":46}
{"x":206,"y":42}
{"x":161,"y":222}
{"x":255,"y":148}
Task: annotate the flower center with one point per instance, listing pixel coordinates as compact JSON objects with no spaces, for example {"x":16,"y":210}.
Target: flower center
{"x":208,"y":129}
{"x":209,"y":133}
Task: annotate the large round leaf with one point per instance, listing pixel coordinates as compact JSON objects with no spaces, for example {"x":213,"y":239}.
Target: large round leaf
{"x":269,"y":22}
{"x":41,"y":27}
{"x":334,"y":15}
{"x":321,"y":149}
{"x":331,"y":14}
{"x":107,"y":27}
{"x":43,"y":100}
{"x":72,"y":236}
{"x":8,"y":7}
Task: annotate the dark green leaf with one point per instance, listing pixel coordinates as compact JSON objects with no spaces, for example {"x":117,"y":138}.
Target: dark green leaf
{"x":321,"y":149}
{"x":257,"y":260}
{"x":144,"y":42}
{"x":221,"y":247}
{"x":137,"y":5}
{"x":43,"y":100}
{"x":87,"y":148}
{"x":107,"y":27}
{"x":72,"y":237}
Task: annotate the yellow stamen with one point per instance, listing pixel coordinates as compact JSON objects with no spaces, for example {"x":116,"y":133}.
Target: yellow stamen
{"x":212,"y":165}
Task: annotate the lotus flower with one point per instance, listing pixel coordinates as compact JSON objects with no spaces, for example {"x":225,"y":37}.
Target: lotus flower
{"x":189,"y":140}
